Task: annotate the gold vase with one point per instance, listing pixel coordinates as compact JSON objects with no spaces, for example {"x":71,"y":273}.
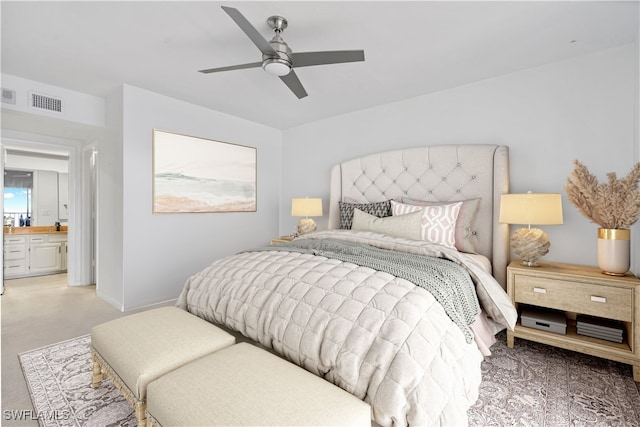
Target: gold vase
{"x":614,"y":255}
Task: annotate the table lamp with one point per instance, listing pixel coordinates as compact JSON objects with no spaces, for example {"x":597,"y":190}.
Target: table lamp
{"x":306,"y":207}
{"x":530,"y":209}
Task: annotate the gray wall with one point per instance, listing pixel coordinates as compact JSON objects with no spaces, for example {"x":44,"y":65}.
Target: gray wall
{"x":584,"y":108}
{"x":154,"y":254}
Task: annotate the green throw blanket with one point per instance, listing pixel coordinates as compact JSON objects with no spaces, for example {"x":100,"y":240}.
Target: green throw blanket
{"x":448,"y":282}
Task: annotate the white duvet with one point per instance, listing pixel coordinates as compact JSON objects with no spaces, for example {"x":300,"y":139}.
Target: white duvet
{"x":377,"y":336}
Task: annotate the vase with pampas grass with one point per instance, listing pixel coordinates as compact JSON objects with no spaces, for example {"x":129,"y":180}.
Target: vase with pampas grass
{"x":614,"y":206}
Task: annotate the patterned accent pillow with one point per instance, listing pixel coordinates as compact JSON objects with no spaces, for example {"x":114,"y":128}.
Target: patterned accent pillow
{"x":465,"y":234}
{"x":379,"y":209}
{"x":408,"y":226}
{"x":438,"y":222}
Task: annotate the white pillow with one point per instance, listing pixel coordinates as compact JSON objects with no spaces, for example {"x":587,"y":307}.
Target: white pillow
{"x":438,"y":222}
{"x":466,"y":234}
{"x":407,"y":226}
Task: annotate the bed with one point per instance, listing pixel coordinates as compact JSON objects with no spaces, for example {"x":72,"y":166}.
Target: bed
{"x":399,"y":300}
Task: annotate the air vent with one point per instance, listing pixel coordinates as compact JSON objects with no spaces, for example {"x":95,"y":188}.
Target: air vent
{"x":8,"y":96}
{"x":44,"y":102}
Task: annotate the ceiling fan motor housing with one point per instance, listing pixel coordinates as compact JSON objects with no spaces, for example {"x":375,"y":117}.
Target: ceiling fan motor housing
{"x":281,"y":64}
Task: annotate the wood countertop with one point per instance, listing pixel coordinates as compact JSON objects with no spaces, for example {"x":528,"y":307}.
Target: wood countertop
{"x":51,"y":229}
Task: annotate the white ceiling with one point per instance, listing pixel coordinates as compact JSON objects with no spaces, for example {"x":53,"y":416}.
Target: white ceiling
{"x":411,"y":48}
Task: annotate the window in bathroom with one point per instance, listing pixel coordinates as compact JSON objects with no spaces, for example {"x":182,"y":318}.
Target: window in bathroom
{"x":17,"y":198}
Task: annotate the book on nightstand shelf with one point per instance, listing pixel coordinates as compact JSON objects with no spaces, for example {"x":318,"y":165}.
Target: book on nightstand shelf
{"x":599,"y":328}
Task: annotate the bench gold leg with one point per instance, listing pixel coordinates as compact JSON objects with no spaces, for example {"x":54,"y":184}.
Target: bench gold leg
{"x":96,"y":379}
{"x":140,"y":415}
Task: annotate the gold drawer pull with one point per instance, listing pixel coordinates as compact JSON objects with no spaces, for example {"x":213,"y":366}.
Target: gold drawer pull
{"x":598,"y":299}
{"x":540,"y":290}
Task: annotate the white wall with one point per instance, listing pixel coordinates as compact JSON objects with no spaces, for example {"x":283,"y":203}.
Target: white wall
{"x":109,"y":238}
{"x":17,"y":161}
{"x":153,"y":255}
{"x":584,"y":108}
{"x":76,"y":106}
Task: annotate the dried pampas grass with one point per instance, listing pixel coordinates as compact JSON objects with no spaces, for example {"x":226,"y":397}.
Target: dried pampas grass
{"x":615,"y":204}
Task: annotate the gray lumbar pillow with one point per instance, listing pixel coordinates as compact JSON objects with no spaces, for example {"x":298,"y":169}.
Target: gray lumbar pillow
{"x":407,"y":226}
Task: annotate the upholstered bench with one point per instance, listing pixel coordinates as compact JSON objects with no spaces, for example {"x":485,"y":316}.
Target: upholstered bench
{"x":134,"y":350}
{"x":243,"y":385}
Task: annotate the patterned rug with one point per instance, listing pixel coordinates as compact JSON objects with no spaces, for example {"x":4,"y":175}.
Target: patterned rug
{"x":59,"y":381}
{"x":539,"y":385}
{"x":530,"y":385}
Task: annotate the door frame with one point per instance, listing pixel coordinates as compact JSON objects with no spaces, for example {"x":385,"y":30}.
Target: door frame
{"x":79,"y":265}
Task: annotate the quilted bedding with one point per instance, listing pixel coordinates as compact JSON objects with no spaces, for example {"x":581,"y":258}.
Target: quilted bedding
{"x":376,"y":335}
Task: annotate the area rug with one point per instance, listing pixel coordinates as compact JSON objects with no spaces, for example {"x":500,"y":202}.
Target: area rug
{"x":59,"y":381}
{"x":530,"y":385}
{"x":538,"y":385}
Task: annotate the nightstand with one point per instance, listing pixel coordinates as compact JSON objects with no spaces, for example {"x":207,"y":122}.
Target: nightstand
{"x":282,"y":239}
{"x":577,"y":289}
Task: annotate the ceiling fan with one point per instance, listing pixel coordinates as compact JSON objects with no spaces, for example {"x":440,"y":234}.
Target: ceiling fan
{"x":277,"y":57}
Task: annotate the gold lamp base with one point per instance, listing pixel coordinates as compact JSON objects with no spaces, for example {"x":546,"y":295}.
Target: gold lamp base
{"x":530,"y":244}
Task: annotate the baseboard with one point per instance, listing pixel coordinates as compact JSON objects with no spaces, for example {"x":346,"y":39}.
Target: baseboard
{"x":170,"y":302}
{"x":116,"y":304}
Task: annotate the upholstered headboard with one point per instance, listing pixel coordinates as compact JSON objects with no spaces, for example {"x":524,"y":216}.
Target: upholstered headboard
{"x":435,"y":173}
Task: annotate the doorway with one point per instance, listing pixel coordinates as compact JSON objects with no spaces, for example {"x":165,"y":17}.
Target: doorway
{"x":62,"y":163}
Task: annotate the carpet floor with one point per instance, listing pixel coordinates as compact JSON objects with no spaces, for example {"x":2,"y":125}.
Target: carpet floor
{"x":530,"y":385}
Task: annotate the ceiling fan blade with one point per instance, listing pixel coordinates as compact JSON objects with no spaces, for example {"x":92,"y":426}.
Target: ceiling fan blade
{"x":306,"y":59}
{"x":292,"y":81}
{"x":231,"y":67}
{"x":250,"y":31}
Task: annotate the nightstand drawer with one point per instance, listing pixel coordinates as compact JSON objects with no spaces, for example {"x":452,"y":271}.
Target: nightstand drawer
{"x":596,"y":300}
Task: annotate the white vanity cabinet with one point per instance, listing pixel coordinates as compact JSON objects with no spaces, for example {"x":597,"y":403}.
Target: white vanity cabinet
{"x":62,"y":239}
{"x":15,"y":255}
{"x":44,"y":256}
{"x":34,"y":254}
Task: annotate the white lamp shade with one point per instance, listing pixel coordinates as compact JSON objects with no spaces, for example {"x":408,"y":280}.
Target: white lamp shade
{"x":531,"y":209}
{"x":306,"y":207}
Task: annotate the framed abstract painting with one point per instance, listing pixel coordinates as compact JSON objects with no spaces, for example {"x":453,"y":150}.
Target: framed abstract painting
{"x":192,"y":175}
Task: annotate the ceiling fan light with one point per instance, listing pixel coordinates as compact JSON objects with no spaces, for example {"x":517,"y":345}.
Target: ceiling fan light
{"x":276,"y":67}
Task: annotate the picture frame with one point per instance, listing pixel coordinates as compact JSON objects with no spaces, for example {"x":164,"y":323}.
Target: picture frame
{"x":198,"y":175}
